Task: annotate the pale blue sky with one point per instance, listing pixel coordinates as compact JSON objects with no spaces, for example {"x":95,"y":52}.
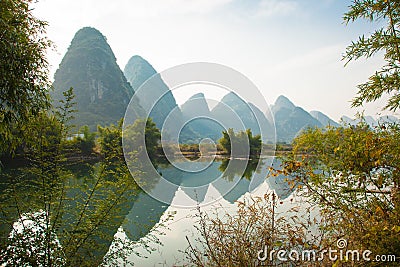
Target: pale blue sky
{"x":288,"y":47}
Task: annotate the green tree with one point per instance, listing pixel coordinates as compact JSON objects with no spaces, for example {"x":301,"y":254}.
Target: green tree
{"x":110,"y":141}
{"x":152,"y":137}
{"x":255,"y":143}
{"x":225,"y":141}
{"x":134,"y":138}
{"x":24,"y":79}
{"x":87,"y":142}
{"x":49,"y":219}
{"x":385,"y":39}
{"x":42,"y":200}
{"x":352,"y":172}
{"x":243,"y":143}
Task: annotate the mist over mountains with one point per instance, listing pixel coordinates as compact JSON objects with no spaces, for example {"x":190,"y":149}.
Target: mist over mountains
{"x":103,"y":92}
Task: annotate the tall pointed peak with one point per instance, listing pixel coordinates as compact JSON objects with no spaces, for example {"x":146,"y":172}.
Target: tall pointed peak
{"x":138,"y":61}
{"x":283,"y":101}
{"x":90,"y":38}
{"x":137,"y":71}
{"x":86,"y":32}
{"x":90,"y":67}
{"x":232,"y":99}
{"x":198,"y":95}
{"x":230,"y":95}
{"x":195,"y":105}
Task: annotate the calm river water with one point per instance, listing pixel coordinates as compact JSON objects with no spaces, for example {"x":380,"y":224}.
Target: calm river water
{"x":219,"y":184}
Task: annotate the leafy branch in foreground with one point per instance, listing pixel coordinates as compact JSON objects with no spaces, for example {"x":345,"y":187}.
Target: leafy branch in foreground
{"x":385,"y":81}
{"x":353,"y":175}
{"x":24,"y":82}
{"x":53,"y":217}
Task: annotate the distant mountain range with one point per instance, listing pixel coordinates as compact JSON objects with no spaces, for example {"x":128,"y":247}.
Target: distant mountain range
{"x":103,"y":93}
{"x":323,"y":119}
{"x":369,"y":120}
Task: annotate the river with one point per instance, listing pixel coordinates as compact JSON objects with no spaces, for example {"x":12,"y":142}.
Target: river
{"x":163,"y":227}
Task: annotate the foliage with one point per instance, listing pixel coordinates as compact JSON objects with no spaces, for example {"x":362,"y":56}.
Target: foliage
{"x":138,"y":148}
{"x":110,"y":141}
{"x":40,"y":194}
{"x":73,"y":222}
{"x":23,"y":67}
{"x":135,"y":138}
{"x":193,"y":148}
{"x":110,"y":138}
{"x":241,"y":144}
{"x":236,"y":240}
{"x":353,"y":172}
{"x":385,"y":39}
{"x":96,"y":211}
{"x":353,"y":175}
{"x":28,"y":243}
{"x":86,"y":143}
{"x":26,"y":135}
{"x":152,"y":137}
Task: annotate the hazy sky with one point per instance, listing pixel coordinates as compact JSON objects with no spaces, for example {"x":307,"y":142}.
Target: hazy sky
{"x":286,"y":47}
